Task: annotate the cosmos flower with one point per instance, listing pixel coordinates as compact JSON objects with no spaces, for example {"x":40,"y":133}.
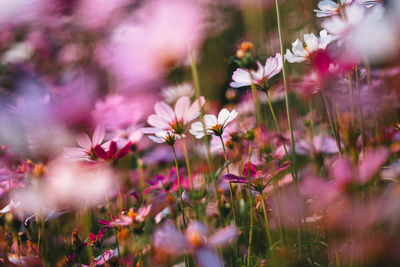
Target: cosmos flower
{"x":241,"y":77}
{"x":175,"y":119}
{"x":329,"y":8}
{"x":87,"y":145}
{"x":172,"y":93}
{"x":212,"y":124}
{"x":165,"y":137}
{"x":112,"y":151}
{"x":313,"y":44}
{"x":169,"y":240}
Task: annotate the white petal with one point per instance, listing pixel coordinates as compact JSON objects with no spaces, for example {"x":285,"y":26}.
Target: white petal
{"x":223,"y":116}
{"x":98,"y":135}
{"x":181,"y":106}
{"x":165,"y":111}
{"x":158,"y":122}
{"x":83,"y":140}
{"x":312,"y":42}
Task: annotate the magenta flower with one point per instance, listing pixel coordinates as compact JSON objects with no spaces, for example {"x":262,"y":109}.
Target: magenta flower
{"x":168,"y":239}
{"x":259,"y":180}
{"x":116,"y":150}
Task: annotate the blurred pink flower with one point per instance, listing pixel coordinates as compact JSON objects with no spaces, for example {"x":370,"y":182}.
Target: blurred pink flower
{"x":168,"y":239}
{"x":142,"y":51}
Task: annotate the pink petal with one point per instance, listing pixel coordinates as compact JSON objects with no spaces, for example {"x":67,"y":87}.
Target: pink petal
{"x":223,"y":236}
{"x":112,"y":149}
{"x":165,"y":111}
{"x":371,"y":163}
{"x":83,"y":140}
{"x":181,"y":106}
{"x":100,"y":152}
{"x":98,"y":135}
{"x":123,"y":151}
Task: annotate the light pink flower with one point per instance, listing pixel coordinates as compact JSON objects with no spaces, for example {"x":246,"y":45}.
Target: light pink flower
{"x":175,"y":119}
{"x":87,"y":145}
{"x":241,"y":77}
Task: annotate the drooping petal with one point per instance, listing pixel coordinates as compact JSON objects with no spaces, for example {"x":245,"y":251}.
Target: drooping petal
{"x":240,"y":78}
{"x":298,"y":49}
{"x":112,"y":149}
{"x":292,"y":58}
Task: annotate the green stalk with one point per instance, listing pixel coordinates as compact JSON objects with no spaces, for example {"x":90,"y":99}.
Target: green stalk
{"x":285,"y":84}
{"x":230,"y":184}
{"x":187,"y":162}
{"x":249,"y":249}
{"x":267,"y":228}
{"x":331,"y":124}
{"x":179,"y":187}
{"x":256,"y":100}
{"x":276,"y":123}
{"x":196,"y":83}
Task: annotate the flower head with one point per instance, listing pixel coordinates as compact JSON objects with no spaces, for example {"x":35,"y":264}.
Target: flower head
{"x":212,"y":124}
{"x":87,"y":145}
{"x":313,"y":44}
{"x":166,"y":137}
{"x":175,"y":119}
{"x":242,"y":77}
{"x":329,"y":8}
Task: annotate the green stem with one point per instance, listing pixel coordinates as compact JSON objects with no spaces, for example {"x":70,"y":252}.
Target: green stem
{"x":256,"y":99}
{"x":179,"y":187}
{"x":196,"y":83}
{"x":276,"y":123}
{"x":249,"y":249}
{"x":267,"y":228}
{"x":230,"y":184}
{"x":331,"y":123}
{"x":187,"y":162}
{"x":285,"y":84}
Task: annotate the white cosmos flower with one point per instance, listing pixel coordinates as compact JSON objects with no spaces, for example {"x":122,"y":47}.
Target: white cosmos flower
{"x":241,"y":77}
{"x":313,"y":43}
{"x":329,"y":8}
{"x":212,"y":124}
{"x":172,"y":93}
{"x":165,"y":137}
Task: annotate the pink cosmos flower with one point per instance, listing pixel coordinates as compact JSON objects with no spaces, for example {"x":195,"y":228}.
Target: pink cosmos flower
{"x":168,"y":239}
{"x":87,"y":145}
{"x":242,"y":77}
{"x":175,"y":119}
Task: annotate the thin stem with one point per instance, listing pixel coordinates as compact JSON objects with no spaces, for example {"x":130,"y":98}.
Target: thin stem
{"x":249,"y":250}
{"x":331,"y":124}
{"x":267,"y":228}
{"x":276,"y":123}
{"x":187,"y":162}
{"x":179,"y":188}
{"x":230,"y":184}
{"x":195,"y":77}
{"x":256,"y":99}
{"x":360,"y":114}
{"x":285,"y":84}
